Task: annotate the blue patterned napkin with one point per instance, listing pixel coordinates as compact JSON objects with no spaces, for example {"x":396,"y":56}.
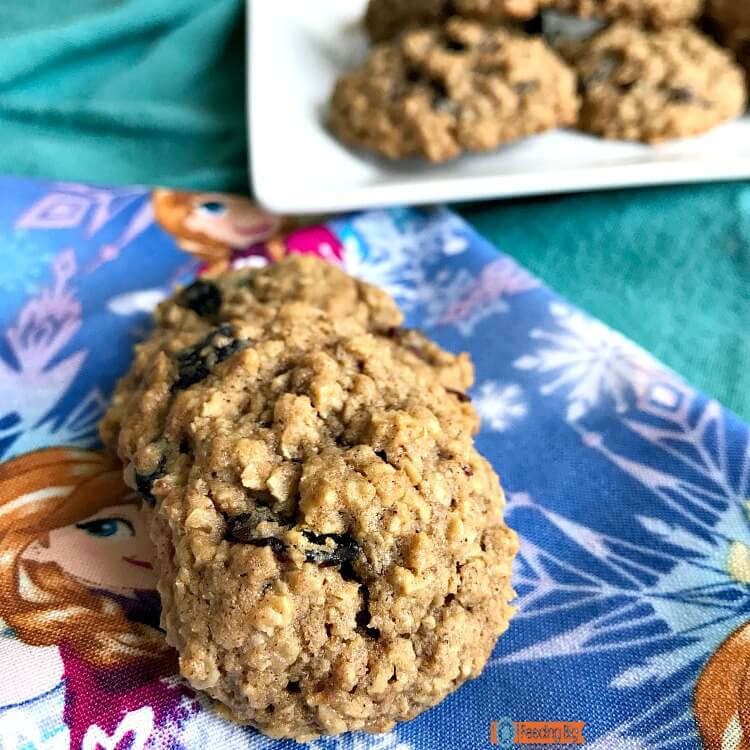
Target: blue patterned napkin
{"x":630,"y":491}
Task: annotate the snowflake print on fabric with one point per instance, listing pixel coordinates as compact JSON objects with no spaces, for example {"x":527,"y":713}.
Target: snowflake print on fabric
{"x":58,"y":210}
{"x":79,"y":428}
{"x":623,"y":598}
{"x":619,"y":608}
{"x":71,"y":206}
{"x":708,"y":476}
{"x":666,"y":725}
{"x":68,"y":206}
{"x":33,"y":381}
{"x":405,"y":253}
{"x":139,"y":222}
{"x":23,"y":262}
{"x":392,"y":249}
{"x":499,"y":405}
{"x":630,"y":491}
{"x":661,"y":600}
{"x":590,"y":363}
{"x":463,"y":300}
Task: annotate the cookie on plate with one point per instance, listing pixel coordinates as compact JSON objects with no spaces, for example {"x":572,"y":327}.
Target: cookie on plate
{"x":655,"y":85}
{"x":385,"y":19}
{"x":330,"y":547}
{"x":731,"y":19}
{"x":654,"y":13}
{"x":462,"y":86}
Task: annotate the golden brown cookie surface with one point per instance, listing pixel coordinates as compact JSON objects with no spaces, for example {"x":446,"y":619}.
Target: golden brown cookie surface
{"x":439,"y":91}
{"x":385,"y":19}
{"x":655,"y":85}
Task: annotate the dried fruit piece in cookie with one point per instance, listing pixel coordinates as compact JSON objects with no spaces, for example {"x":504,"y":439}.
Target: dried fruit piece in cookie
{"x":385,"y":19}
{"x":202,"y":297}
{"x":144,"y":483}
{"x":654,"y":13}
{"x":655,"y":85}
{"x":196,"y":362}
{"x":330,"y":547}
{"x":459,"y":87}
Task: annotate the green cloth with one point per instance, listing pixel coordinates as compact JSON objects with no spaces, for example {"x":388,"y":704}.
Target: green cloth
{"x":152,"y":91}
{"x":668,"y":267}
{"x":116,"y":91}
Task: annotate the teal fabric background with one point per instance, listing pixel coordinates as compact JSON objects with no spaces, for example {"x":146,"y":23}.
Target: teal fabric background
{"x":152,"y":91}
{"x":668,"y":267}
{"x":117,"y":91}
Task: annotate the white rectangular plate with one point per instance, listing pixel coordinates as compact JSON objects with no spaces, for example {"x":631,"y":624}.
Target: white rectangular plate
{"x":297,"y":48}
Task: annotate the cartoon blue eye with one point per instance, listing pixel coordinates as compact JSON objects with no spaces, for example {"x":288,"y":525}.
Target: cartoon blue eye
{"x":104,"y":527}
{"x":215,"y":208}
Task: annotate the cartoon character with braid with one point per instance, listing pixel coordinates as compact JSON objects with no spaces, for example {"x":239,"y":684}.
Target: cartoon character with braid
{"x":78,"y":612}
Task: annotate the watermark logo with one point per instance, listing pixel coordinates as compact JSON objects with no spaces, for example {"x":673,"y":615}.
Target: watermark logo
{"x":505,"y":733}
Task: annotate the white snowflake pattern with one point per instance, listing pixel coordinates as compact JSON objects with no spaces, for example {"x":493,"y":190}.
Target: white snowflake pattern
{"x":671,"y":597}
{"x":35,"y":377}
{"x":648,"y":730}
{"x":394,"y":256}
{"x":443,"y":305}
{"x":463,"y":299}
{"x":77,"y":428}
{"x":500,"y":405}
{"x":590,"y":363}
{"x":631,"y":604}
{"x":401,"y":253}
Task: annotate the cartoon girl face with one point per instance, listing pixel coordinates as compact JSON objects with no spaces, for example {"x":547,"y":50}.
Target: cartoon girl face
{"x":71,"y":536}
{"x":211,"y":226}
{"x":77,"y":598}
{"x":108,"y":550}
{"x":229,"y":219}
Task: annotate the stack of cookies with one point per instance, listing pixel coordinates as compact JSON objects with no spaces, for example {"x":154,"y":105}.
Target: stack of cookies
{"x":450,"y":76}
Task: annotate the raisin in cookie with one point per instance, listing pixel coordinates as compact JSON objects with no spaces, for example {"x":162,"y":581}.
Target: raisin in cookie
{"x":731,"y":21}
{"x":655,"y":85}
{"x":459,"y":87}
{"x":655,"y":13}
{"x":385,"y":19}
{"x":330,"y":547}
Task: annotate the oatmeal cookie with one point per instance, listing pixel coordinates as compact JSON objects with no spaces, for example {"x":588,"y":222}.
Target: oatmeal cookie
{"x":655,"y":85}
{"x":459,"y":87}
{"x":654,"y":13}
{"x":330,"y":547}
{"x":385,"y":19}
{"x":731,"y":20}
